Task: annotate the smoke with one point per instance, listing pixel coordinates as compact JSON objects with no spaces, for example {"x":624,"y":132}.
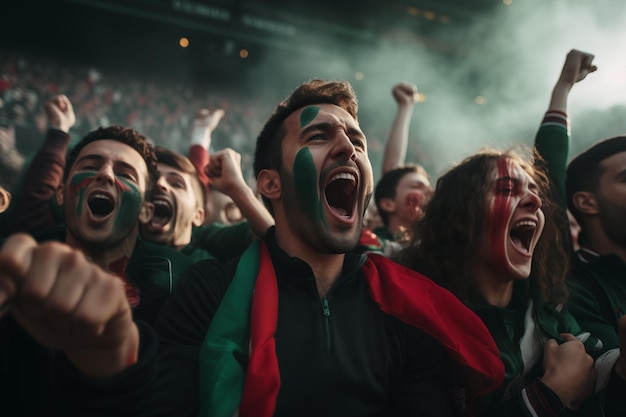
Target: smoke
{"x":506,"y":57}
{"x":510,"y":56}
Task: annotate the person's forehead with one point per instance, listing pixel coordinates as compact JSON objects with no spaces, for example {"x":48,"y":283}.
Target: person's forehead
{"x":511,"y":168}
{"x":110,"y":148}
{"x":323,"y":112}
{"x":615,"y":163}
{"x":414,"y":178}
{"x":165,"y":169}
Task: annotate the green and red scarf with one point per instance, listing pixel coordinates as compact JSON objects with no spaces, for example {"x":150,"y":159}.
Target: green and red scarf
{"x":242,"y":331}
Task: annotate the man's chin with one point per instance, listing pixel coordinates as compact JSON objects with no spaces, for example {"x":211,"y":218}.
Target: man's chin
{"x":157,"y":238}
{"x":344,"y":243}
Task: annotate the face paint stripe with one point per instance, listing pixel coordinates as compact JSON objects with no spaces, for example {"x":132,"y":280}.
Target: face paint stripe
{"x":123,"y":184}
{"x":307,"y":115}
{"x":130,"y":204}
{"x":131,"y":197}
{"x":501,"y":212}
{"x":78,"y":184}
{"x":305,"y":179}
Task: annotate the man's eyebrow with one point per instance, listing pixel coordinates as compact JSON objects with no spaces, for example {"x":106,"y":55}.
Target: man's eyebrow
{"x":172,"y":174}
{"x":125,"y":165}
{"x":90,"y":157}
{"x":325,"y":126}
{"x":317,"y":126}
{"x":116,"y":164}
{"x":621,"y":174}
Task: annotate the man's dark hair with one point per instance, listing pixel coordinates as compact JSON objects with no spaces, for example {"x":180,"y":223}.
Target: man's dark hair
{"x":268,"y":152}
{"x":182,"y":163}
{"x":123,"y":135}
{"x":387,"y":185}
{"x":584,"y":171}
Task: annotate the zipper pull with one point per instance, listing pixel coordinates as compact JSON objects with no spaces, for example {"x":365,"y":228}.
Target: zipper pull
{"x":325,"y":308}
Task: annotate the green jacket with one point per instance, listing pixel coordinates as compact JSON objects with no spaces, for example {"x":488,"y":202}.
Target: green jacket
{"x":597,"y":284}
{"x":520,"y":331}
{"x":219,"y":241}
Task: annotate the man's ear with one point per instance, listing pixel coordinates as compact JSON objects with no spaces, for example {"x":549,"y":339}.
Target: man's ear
{"x":388,"y":205}
{"x":146,"y":212}
{"x":198,"y":218}
{"x":59,"y":195}
{"x":268,"y":184}
{"x":5,"y":199}
{"x":585,"y":202}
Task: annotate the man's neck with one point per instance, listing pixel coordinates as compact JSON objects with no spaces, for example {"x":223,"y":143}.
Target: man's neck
{"x":326,"y":267}
{"x":109,"y":258}
{"x":398,"y":228}
{"x":181,"y":241}
{"x":600,"y":243}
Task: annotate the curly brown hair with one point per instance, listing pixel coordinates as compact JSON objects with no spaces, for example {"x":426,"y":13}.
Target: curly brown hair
{"x":446,"y":240}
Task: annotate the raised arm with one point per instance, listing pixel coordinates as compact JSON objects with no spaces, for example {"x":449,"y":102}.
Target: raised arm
{"x":225,"y":173}
{"x":32,"y":208}
{"x":204,"y":124}
{"x":398,"y":140}
{"x":552,"y":140}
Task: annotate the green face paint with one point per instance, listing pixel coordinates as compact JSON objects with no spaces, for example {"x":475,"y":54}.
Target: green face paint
{"x":308,"y":114}
{"x":78,"y":184}
{"x":305,"y":181}
{"x":130,"y":205}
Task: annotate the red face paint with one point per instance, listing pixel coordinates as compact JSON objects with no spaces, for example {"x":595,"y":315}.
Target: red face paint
{"x":412,"y":202}
{"x":513,"y":206}
{"x":506,"y":192}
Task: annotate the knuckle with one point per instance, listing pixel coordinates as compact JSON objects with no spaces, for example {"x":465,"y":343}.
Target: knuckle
{"x":32,"y":292}
{"x":58,"y":306}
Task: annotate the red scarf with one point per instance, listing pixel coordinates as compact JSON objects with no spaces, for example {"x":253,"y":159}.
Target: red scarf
{"x":245,"y":324}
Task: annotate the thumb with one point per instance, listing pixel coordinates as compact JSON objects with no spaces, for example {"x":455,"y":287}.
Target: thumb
{"x":550,"y":345}
{"x":568,"y":337}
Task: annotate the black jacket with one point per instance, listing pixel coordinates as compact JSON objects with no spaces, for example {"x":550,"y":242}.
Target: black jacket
{"x":354,"y":360}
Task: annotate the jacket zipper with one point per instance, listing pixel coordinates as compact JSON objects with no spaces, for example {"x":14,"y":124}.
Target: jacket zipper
{"x":326,"y":313}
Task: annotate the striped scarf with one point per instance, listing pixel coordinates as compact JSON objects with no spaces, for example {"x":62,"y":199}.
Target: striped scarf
{"x":243,"y":328}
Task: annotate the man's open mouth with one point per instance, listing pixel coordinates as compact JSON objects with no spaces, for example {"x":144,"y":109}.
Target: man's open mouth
{"x":100,"y":205}
{"x":522,"y":234}
{"x":162,"y":212}
{"x":341,"y":193}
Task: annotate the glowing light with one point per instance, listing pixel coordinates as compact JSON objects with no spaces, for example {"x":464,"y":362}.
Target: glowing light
{"x":420,"y":97}
{"x":444,"y":19}
{"x":430,"y":15}
{"x":358,"y":75}
{"x":507,"y":2}
{"x":413,"y":11}
{"x":243,"y":53}
{"x":183,"y":42}
{"x":480,"y":100}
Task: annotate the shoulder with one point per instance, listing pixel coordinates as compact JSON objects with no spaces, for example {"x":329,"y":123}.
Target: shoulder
{"x":208,"y":276}
{"x":198,"y":293}
{"x":196,"y":253}
{"x":150,"y":251}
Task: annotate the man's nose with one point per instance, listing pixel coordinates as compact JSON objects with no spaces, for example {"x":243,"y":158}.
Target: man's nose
{"x":345,"y":146}
{"x":105,"y":173}
{"x":162,"y":183}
